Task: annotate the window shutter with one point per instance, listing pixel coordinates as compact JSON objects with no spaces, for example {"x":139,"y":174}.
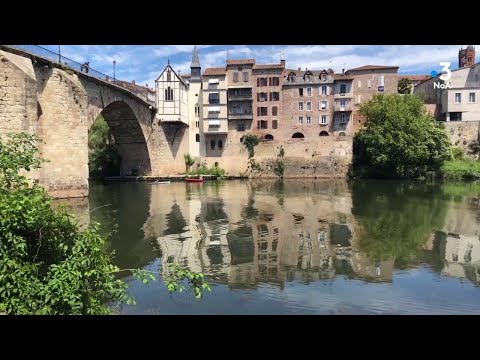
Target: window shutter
{"x":258,"y":124}
{"x":258,"y":111}
{"x":258,"y":96}
{"x":258,"y":82}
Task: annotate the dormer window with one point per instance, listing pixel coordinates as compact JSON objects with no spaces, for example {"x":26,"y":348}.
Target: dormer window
{"x":323,"y":76}
{"x":308,"y":76}
{"x":291,"y":77}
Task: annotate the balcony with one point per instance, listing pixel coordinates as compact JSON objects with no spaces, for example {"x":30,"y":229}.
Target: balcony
{"x":343,"y":107}
{"x":215,"y":126}
{"x":240,"y":116}
{"x":348,"y":95}
{"x":236,"y":95}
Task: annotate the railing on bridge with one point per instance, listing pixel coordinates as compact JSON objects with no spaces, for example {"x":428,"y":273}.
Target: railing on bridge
{"x":62,"y":60}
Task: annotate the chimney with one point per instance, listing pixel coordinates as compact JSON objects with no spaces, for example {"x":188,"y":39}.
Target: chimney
{"x":146,"y":85}
{"x":282,"y":62}
{"x":299,"y":69}
{"x":133,"y":82}
{"x":343,"y":71}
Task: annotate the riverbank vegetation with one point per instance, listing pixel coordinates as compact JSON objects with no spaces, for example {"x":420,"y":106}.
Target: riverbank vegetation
{"x":103,"y":156}
{"x":48,"y":265}
{"x":400,"y":140}
{"x":203,"y":169}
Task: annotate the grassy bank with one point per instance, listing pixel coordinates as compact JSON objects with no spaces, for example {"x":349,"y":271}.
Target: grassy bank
{"x":460,"y":170}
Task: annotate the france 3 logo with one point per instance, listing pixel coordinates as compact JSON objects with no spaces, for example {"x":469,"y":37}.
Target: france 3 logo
{"x":446,"y":75}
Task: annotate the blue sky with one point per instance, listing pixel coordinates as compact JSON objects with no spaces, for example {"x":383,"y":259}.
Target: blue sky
{"x":144,"y":63}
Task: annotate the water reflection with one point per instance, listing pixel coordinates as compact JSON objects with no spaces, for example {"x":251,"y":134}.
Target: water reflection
{"x":251,"y":234}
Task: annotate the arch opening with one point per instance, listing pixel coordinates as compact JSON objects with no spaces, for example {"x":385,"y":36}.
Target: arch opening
{"x":268,"y":137}
{"x":323,"y":133}
{"x":298,"y":135}
{"x":117,"y":144}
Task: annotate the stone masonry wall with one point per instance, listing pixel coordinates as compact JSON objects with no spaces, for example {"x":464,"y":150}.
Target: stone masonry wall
{"x":462,"y":134}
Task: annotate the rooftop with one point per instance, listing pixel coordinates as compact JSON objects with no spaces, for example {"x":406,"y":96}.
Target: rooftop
{"x":214,"y":71}
{"x":415,"y":77}
{"x":373,"y":67}
{"x":269,"y":66}
{"x":241,"y":62}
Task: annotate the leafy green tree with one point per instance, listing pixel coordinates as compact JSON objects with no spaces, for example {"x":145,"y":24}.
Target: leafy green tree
{"x":400,"y":139}
{"x":188,"y":161}
{"x":404,"y":86}
{"x":47,"y":265}
{"x":104,"y":158}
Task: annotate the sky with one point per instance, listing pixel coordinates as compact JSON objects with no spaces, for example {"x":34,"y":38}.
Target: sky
{"x":144,"y":63}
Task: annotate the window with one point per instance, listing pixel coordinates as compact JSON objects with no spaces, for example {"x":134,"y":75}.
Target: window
{"x":262,"y":81}
{"x":309,"y":106}
{"x":308,"y":76}
{"x":359,"y":99}
{"x":323,"y":76}
{"x":274,"y":124}
{"x":343,"y":103}
{"x":359,"y":84}
{"x":300,"y":106}
{"x":197,"y":137}
{"x":240,"y":127}
{"x":323,"y":133}
{"x":291,"y":77}
{"x":274,"y":81}
{"x":197,"y":124}
{"x":235,"y":77}
{"x":300,"y":120}
{"x":323,"y":120}
{"x":343,"y":118}
{"x":471,"y":97}
{"x":309,"y":91}
{"x":369,"y":83}
{"x":458,"y":98}
{"x":341,"y":133}
{"x":274,"y":111}
{"x":262,"y":111}
{"x":274,"y":96}
{"x":212,"y":144}
{"x":197,"y":110}
{"x":220,"y":144}
{"x":268,"y":137}
{"x":300,"y":92}
{"x":169,"y":75}
{"x":309,"y":120}
{"x":324,"y":90}
{"x":239,"y":68}
{"x":262,"y":96}
{"x":323,"y":105}
{"x":263,"y":124}
{"x":214,"y":98}
{"x":169,"y":94}
{"x":343,"y":89}
{"x":245,"y":76}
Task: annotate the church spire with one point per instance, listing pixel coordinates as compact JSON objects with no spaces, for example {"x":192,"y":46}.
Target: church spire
{"x":195,"y":68}
{"x":195,"y":60}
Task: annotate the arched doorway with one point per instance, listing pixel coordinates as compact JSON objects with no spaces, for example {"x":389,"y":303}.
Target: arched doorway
{"x":323,"y":133}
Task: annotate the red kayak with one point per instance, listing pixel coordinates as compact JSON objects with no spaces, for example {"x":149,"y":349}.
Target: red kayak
{"x":194,"y":180}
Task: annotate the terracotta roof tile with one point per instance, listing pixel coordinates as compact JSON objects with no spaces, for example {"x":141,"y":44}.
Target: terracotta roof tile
{"x":268,"y":66}
{"x":214,"y":71}
{"x":241,"y":62}
{"x":373,"y":67}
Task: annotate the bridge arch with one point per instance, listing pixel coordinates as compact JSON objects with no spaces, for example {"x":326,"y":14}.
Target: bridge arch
{"x":129,"y":138}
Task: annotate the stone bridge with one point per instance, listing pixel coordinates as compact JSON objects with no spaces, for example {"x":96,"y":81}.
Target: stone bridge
{"x":59,"y":104}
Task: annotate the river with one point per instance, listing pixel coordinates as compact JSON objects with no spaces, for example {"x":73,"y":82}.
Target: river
{"x":297,"y":247}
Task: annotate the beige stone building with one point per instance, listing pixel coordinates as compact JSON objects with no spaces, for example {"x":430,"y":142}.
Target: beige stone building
{"x":457,"y":98}
{"x":215,"y":112}
{"x":370,"y":80}
{"x":172,"y":97}
{"x":239,"y":84}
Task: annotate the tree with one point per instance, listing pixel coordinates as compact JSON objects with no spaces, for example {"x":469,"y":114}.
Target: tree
{"x":404,"y":86}
{"x":104,"y":158}
{"x":47,"y":265}
{"x":400,"y":139}
{"x":188,"y":161}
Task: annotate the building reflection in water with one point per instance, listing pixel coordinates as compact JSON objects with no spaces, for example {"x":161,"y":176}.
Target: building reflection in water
{"x":243,"y":233}
{"x":236,"y":234}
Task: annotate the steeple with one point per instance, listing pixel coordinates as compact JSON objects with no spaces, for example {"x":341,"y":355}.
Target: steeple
{"x":195,"y":68}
